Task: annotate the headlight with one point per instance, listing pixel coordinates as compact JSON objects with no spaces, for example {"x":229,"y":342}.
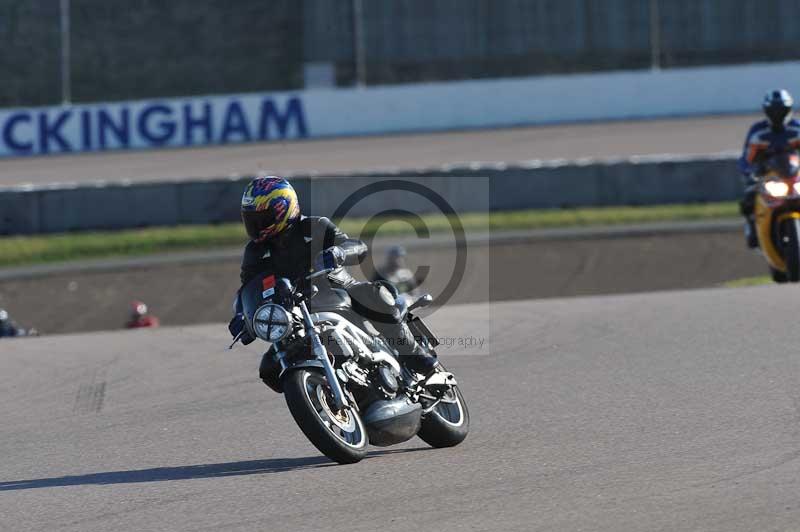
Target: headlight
{"x":797,"y":188}
{"x":776,"y":189}
{"x":272,"y":323}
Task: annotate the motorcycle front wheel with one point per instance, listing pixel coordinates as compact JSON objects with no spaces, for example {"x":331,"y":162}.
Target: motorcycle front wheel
{"x":792,"y":249}
{"x":778,"y":276}
{"x":340,"y":436}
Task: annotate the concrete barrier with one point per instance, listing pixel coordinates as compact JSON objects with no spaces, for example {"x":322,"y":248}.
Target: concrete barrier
{"x":19,"y":212}
{"x":494,"y":187}
{"x":107,"y":207}
{"x":237,"y":118}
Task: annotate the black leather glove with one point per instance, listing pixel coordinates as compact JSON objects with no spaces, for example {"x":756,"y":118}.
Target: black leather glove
{"x":330,"y":259}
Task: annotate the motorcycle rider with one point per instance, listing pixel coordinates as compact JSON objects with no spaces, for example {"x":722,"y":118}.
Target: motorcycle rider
{"x":779,"y":132}
{"x":290,"y":245}
{"x":396,"y":271}
{"x":140,"y":318}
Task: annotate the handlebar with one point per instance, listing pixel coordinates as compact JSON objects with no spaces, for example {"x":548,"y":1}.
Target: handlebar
{"x":319,"y":273}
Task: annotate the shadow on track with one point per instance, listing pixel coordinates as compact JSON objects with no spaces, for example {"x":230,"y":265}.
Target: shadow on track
{"x":159,"y":474}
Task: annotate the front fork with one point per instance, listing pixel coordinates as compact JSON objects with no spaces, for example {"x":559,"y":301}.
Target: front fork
{"x":321,"y":354}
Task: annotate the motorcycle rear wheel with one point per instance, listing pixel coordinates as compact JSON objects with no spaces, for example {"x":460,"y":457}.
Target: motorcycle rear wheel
{"x":447,"y":424}
{"x":341,"y":436}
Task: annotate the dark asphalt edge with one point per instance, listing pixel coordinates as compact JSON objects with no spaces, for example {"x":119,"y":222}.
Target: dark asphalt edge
{"x":438,"y":240}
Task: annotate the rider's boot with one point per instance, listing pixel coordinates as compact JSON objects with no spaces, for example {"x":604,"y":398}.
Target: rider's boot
{"x":420,"y":361}
{"x":270,"y":370}
{"x":750,"y":232}
{"x":746,"y":207}
{"x":377,"y":303}
{"x":412,"y":355}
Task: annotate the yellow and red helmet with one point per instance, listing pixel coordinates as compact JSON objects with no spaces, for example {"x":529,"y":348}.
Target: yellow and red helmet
{"x":269,"y":207}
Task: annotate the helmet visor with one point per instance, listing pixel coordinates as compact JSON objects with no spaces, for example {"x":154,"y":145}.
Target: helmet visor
{"x":778,"y":114}
{"x":258,"y":223}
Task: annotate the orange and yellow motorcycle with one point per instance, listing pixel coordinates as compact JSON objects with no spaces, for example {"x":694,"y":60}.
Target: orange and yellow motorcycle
{"x":777,"y":216}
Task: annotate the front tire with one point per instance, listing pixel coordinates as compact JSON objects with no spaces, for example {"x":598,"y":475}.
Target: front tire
{"x":447,"y":424}
{"x":792,"y":250}
{"x":778,"y":276}
{"x":340,"y":436}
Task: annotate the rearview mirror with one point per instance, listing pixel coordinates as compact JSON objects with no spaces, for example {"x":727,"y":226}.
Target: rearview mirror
{"x":422,"y":302}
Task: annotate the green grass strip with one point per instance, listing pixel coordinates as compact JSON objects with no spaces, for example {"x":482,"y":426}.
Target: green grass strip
{"x":15,"y":251}
{"x":749,"y":281}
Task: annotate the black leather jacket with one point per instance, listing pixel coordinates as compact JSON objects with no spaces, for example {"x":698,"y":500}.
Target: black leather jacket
{"x":294,"y":257}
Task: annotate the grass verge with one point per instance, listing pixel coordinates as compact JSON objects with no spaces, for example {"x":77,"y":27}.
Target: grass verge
{"x":16,"y":251}
{"x":749,"y":281}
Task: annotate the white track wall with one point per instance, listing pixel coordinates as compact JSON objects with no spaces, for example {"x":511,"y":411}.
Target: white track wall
{"x":422,"y":107}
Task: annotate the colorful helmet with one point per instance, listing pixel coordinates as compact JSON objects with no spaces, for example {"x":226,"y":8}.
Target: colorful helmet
{"x":138,"y":308}
{"x":396,"y":257}
{"x":269,"y":207}
{"x":778,"y":107}
{"x":396,"y":251}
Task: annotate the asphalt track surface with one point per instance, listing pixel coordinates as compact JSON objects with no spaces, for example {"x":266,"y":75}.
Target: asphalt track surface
{"x":691,"y":136}
{"x":660,"y":411}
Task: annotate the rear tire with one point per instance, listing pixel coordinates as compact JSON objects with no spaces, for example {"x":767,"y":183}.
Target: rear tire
{"x":447,"y":424}
{"x":342,"y":437}
{"x":792,"y":250}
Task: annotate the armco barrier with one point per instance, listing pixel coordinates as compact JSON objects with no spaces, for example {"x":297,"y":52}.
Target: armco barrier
{"x":532,"y":184}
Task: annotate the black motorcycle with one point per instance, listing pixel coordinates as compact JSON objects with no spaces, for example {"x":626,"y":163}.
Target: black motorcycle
{"x":342,"y":381}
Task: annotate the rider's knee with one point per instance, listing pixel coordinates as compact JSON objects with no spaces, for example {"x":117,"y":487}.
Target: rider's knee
{"x":375,"y":302}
